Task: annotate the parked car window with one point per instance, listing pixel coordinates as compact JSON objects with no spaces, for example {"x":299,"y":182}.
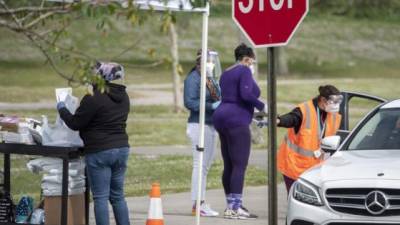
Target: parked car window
{"x":381,"y":131}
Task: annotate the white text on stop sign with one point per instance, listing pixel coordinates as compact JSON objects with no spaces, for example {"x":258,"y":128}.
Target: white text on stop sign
{"x":274,"y":5}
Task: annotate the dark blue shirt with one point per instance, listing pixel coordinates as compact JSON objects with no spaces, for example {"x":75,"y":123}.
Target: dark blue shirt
{"x":192,"y":98}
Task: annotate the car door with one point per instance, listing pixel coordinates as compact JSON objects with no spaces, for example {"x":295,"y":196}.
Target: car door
{"x":353,"y":108}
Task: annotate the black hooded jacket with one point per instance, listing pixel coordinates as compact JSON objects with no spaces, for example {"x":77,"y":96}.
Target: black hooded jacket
{"x":101,"y":119}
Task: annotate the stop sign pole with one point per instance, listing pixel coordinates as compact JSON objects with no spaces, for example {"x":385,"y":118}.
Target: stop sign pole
{"x":270,"y":23}
{"x":272,"y":144}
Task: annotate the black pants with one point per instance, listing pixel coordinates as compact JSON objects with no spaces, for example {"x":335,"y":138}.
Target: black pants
{"x":288,"y":182}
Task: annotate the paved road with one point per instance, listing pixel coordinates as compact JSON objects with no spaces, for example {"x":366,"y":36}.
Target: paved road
{"x":177,"y":208}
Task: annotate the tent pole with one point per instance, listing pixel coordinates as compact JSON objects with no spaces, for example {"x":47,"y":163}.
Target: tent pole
{"x":200,"y":146}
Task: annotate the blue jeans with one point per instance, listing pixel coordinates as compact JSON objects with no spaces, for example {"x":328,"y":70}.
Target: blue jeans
{"x":106,"y":173}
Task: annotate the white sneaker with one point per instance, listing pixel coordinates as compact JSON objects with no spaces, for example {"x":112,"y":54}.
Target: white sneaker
{"x":206,"y":211}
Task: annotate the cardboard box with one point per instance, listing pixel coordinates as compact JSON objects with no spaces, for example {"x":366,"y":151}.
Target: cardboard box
{"x":76,"y":210}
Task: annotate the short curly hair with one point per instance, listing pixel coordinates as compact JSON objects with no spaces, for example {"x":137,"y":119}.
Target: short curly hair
{"x":242,"y":51}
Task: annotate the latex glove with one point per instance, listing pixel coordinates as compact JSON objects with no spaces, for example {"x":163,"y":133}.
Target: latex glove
{"x":265,"y":111}
{"x":261,"y":114}
{"x":215,"y":104}
{"x":262,"y":124}
{"x":61,"y":105}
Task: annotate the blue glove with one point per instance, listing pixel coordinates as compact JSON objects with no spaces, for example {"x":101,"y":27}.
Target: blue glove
{"x":61,"y":105}
{"x":215,"y":104}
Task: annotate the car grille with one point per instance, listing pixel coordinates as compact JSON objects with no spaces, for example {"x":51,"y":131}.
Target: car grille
{"x":353,"y":201}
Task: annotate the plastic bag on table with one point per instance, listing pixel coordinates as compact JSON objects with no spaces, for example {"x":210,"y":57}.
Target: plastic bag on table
{"x":57,"y":179}
{"x":59,"y":134}
{"x":54,"y":165}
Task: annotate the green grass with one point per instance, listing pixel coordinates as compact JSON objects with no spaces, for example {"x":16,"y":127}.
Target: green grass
{"x":146,"y":126}
{"x":159,"y":125}
{"x":324,"y":45}
{"x":172,"y":172}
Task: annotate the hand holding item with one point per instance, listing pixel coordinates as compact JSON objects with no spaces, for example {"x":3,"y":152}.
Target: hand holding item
{"x":262,"y":124}
{"x":319,"y":154}
{"x":261,"y":114}
{"x":265,"y":111}
{"x":215,"y":104}
{"x":61,"y":105}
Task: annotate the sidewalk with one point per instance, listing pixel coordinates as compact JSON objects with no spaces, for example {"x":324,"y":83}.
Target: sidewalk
{"x":177,"y":208}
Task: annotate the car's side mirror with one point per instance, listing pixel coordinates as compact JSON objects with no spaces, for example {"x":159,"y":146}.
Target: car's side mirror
{"x":331,"y":143}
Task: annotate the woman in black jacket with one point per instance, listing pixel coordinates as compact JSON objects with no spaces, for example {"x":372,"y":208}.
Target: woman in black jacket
{"x":101,"y":122}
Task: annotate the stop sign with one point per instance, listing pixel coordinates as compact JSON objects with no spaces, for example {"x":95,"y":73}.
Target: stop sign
{"x":268,"y":23}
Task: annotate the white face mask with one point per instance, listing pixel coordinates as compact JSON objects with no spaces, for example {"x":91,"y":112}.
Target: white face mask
{"x":332,"y":108}
{"x":252,"y":69}
{"x":209,"y":69}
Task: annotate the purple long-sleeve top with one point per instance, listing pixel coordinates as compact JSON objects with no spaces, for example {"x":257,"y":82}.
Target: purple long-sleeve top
{"x":240,"y":95}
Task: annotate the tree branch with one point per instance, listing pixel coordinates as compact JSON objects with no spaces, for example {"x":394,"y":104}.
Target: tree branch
{"x":38,"y":45}
{"x":127,"y":49}
{"x":30,"y":9}
{"x":44,"y":16}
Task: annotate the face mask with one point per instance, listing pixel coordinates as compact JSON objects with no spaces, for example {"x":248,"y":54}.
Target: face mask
{"x":332,"y":108}
{"x":210,"y":69}
{"x":252,"y":69}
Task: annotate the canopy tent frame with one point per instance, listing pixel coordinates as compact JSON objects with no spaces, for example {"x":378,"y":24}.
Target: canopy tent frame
{"x":180,"y":6}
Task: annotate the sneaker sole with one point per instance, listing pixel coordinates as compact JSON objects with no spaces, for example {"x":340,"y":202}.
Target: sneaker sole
{"x":202,"y":215}
{"x":231,"y":217}
{"x":240,"y":218}
{"x":246,"y":218}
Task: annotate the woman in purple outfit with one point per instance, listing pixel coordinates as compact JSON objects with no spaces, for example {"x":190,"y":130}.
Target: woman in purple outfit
{"x":231,"y":119}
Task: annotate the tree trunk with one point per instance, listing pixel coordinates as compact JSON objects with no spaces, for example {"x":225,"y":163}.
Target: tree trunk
{"x":177,"y":94}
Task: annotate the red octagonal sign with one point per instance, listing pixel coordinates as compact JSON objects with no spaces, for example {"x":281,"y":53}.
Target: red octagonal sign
{"x":268,"y":23}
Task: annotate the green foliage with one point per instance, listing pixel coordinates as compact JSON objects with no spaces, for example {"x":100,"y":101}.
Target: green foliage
{"x":385,"y":9}
{"x":198,"y":3}
{"x":166,"y":20}
{"x":46,"y":26}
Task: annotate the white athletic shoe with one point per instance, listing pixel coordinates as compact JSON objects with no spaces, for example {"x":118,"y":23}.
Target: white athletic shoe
{"x":206,"y":211}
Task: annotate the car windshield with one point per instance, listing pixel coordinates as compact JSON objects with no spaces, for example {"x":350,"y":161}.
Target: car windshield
{"x":381,"y":131}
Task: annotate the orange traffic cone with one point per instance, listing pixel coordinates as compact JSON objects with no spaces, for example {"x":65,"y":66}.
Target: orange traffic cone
{"x":155,"y":216}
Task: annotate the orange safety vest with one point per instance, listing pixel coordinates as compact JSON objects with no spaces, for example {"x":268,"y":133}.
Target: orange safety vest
{"x":296,"y":153}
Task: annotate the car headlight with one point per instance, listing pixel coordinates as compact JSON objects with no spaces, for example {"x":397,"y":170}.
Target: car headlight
{"x":307,"y":193}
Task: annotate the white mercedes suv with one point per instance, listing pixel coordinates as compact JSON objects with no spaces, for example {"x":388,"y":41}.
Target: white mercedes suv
{"x":360,"y":182}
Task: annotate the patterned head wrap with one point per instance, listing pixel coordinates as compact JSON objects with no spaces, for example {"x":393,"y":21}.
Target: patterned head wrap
{"x":110,"y":71}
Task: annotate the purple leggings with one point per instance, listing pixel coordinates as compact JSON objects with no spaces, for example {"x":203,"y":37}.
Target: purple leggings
{"x":235,"y":149}
{"x":288,"y":182}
